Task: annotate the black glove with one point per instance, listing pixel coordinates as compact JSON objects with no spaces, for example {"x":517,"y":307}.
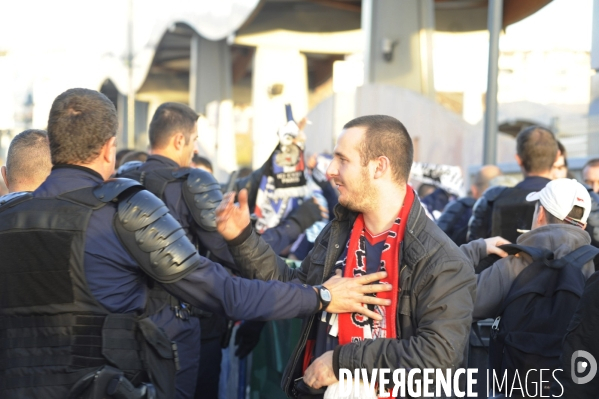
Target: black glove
{"x":247,"y":337}
{"x":306,"y":214}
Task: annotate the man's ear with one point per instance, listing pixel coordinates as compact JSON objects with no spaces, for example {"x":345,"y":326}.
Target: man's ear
{"x":474,"y":191}
{"x":178,"y":141}
{"x":4,"y":176}
{"x":518,"y":160}
{"x":109,"y":150}
{"x":383,"y":165}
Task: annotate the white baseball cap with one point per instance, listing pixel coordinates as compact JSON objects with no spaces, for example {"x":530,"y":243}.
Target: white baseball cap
{"x":560,"y":196}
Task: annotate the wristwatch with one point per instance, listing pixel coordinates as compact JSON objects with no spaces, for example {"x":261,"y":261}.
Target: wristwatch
{"x":324,"y":295}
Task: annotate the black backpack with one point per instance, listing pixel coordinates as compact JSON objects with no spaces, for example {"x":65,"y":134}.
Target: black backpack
{"x":527,"y":334}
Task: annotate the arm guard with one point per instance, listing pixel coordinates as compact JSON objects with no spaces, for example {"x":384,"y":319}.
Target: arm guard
{"x":152,"y":236}
{"x":202,"y":194}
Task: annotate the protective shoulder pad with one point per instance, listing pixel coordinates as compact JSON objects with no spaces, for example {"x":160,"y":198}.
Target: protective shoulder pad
{"x":128,"y":167}
{"x":154,"y":238}
{"x":11,"y":198}
{"x":112,"y":188}
{"x":492,"y":193}
{"x":202,"y":194}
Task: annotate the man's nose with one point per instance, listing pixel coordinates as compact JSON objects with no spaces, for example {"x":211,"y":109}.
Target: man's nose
{"x":331,"y":170}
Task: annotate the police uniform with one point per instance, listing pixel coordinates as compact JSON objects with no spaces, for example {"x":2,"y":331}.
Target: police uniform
{"x":80,"y":257}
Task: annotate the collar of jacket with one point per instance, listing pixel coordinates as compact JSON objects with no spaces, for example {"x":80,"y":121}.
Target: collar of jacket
{"x":413,"y":249}
{"x":162,"y":160}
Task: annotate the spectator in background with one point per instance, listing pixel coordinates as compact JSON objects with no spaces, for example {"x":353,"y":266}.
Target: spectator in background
{"x":590,"y":174}
{"x":201,"y":162}
{"x":28,"y":161}
{"x":132,"y":156}
{"x":503,"y":211}
{"x":560,"y":167}
{"x":119,"y":157}
{"x":244,"y":172}
{"x":425,"y":189}
{"x":455,"y":217}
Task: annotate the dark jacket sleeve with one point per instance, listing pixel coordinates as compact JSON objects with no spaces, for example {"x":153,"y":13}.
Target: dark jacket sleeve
{"x":439,"y":340}
{"x":479,"y":225}
{"x":281,"y":236}
{"x":582,"y":335}
{"x":255,"y":259}
{"x":450,"y":216}
{"x":210,"y":287}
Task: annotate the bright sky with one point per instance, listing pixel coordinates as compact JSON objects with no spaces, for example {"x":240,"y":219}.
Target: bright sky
{"x":562,"y":24}
{"x":461,"y":60}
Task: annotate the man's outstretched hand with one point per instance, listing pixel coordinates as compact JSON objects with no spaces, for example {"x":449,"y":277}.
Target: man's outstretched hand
{"x":231,"y":219}
{"x":348,"y":294}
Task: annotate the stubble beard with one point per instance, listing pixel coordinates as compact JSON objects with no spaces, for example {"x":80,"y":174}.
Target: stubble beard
{"x":363,"y":198}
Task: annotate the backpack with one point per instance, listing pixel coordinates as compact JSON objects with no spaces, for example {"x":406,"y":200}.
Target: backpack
{"x":527,"y":334}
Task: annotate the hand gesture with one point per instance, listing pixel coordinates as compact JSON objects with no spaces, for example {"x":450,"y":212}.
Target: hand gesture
{"x":493,"y":243}
{"x":231,"y":219}
{"x":348,"y":294}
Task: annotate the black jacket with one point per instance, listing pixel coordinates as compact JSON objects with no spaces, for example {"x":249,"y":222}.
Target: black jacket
{"x":434,"y":310}
{"x":454,"y":219}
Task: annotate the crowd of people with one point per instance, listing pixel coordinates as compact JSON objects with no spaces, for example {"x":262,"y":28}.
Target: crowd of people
{"x":124,"y":271}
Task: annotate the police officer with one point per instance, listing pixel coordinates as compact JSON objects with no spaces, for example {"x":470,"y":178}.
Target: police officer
{"x":80,"y":256}
{"x":191,"y":196}
{"x":502,"y":211}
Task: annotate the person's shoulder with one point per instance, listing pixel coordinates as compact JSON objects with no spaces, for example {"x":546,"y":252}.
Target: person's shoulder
{"x":492,"y":193}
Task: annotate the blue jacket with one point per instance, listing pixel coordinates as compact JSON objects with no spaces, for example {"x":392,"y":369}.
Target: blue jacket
{"x":119,"y":284}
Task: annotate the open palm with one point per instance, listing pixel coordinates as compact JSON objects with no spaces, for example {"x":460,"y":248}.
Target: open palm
{"x":232,"y":218}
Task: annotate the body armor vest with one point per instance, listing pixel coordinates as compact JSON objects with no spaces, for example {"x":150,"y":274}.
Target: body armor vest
{"x":52,"y":329}
{"x":512,"y":212}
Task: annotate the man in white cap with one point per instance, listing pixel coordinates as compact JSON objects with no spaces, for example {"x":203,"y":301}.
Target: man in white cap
{"x":562,"y":208}
{"x":561,"y":213}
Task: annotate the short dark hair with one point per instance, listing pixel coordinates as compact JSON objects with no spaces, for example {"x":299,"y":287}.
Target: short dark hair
{"x":576,"y":213}
{"x":537,"y":149}
{"x":385,"y":136}
{"x":80,"y":123}
{"x":169,"y":119}
{"x":28,"y":157}
{"x":591,"y":163}
{"x":200,"y":160}
{"x":134,"y":156}
{"x":120,"y":154}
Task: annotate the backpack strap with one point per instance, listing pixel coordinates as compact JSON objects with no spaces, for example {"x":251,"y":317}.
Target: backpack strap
{"x":578,"y":258}
{"x":537,"y":254}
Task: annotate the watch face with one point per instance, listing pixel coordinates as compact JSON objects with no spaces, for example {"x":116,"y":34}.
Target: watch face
{"x":325,"y":294}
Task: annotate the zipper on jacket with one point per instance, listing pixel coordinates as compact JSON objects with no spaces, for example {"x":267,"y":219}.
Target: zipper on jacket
{"x":302,"y":343}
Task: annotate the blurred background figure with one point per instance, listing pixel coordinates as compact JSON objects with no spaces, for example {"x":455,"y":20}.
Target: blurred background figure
{"x":140,"y":156}
{"x":560,"y":167}
{"x":455,"y":217}
{"x":120,"y":154}
{"x":202,"y":162}
{"x":503,"y":211}
{"x":590,"y":174}
{"x":28,"y":162}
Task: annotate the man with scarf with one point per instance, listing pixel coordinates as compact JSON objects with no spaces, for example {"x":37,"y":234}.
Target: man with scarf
{"x":379,"y":225}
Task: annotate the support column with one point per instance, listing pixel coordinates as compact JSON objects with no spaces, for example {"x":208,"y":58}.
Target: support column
{"x":490,"y":140}
{"x":210,"y":80}
{"x":398,"y":47}
{"x":274,"y":69}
